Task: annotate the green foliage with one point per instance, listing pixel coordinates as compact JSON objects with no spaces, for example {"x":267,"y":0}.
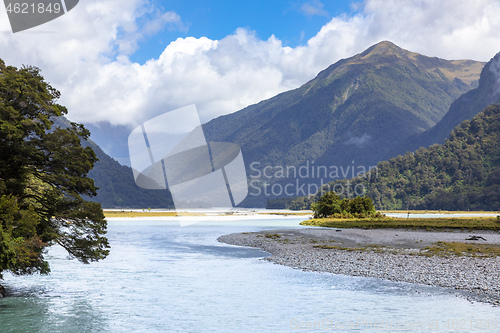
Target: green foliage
{"x":299,"y":203}
{"x":330,"y":204}
{"x":461,"y":174}
{"x":43,"y":173}
{"x":358,"y":205}
{"x":327,"y":205}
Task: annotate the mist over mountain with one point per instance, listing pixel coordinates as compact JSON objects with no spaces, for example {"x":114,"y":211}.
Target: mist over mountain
{"x":112,"y":139}
{"x":353,"y":114}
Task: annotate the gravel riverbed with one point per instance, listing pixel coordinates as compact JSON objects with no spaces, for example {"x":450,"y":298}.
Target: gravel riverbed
{"x":387,"y":254}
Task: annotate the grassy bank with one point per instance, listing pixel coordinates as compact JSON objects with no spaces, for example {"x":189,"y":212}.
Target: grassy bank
{"x":438,"y":212}
{"x":129,"y":213}
{"x":124,"y":213}
{"x":448,"y":223}
{"x":298,"y":213}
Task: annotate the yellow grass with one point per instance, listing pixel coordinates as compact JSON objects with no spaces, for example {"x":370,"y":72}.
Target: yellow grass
{"x":123,"y":213}
{"x":463,"y":223}
{"x":146,"y":213}
{"x":459,"y":249}
{"x":437,"y":212}
{"x":288,"y":213}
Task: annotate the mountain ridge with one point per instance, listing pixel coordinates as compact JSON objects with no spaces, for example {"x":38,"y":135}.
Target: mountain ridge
{"x":465,"y":107}
{"x":357,"y":109}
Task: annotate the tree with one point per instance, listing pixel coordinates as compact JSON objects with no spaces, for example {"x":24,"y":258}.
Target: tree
{"x":358,"y":205}
{"x":43,"y":175}
{"x":328,"y":204}
{"x":332,"y":204}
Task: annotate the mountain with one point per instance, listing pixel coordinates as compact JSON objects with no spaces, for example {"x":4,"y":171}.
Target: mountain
{"x":465,"y":107}
{"x":353,"y":114}
{"x":461,"y":174}
{"x":115,"y":182}
{"x":117,"y":188}
{"x":112,"y":139}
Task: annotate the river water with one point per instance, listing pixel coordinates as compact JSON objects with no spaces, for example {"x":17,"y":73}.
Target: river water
{"x":164,"y":277}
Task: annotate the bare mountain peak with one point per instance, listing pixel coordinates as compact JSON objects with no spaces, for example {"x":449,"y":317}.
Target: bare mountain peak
{"x":384,"y":48}
{"x":386,"y":54}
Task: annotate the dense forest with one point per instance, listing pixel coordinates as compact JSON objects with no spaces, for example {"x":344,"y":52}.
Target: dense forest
{"x":461,"y":174}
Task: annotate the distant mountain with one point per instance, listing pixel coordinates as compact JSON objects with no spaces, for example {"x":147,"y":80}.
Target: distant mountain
{"x":117,"y":188}
{"x":354,"y":113}
{"x":465,"y":107}
{"x":112,"y":139}
{"x":116,"y":185}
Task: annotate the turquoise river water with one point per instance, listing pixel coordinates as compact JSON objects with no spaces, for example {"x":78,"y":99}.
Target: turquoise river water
{"x":164,"y":277}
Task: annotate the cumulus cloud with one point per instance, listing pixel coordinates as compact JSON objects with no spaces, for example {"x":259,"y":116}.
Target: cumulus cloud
{"x":85,"y":54}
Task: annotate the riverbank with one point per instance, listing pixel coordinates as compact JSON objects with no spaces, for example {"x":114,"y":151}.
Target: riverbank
{"x":398,"y":255}
{"x":134,"y":213}
{"x":434,"y":223}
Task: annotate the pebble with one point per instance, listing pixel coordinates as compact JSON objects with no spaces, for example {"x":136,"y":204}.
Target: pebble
{"x":476,"y":278}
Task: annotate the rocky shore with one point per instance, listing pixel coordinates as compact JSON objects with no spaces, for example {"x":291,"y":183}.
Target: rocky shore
{"x":397,"y":255}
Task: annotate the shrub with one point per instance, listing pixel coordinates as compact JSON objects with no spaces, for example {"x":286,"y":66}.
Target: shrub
{"x":332,"y":205}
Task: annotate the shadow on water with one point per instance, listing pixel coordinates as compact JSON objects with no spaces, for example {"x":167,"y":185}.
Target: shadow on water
{"x":224,"y":251}
{"x":40,"y":309}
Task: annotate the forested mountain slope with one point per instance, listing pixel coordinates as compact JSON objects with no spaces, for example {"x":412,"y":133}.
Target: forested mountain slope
{"x":461,"y":174}
{"x":465,"y":107}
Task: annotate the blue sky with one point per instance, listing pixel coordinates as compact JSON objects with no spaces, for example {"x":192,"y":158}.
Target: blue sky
{"x":293,"y":22}
{"x":123,"y":62}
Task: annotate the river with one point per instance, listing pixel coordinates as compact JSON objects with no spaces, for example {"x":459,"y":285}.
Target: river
{"x":164,"y":276}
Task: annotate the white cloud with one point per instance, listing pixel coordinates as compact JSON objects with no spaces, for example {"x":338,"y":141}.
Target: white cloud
{"x":86,"y":55}
{"x":313,"y":8}
{"x":162,"y":19}
{"x":449,"y":29}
